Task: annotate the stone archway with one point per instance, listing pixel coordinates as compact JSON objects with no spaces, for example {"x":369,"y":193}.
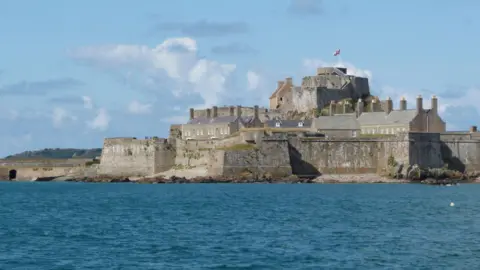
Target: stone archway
{"x":12,"y":174}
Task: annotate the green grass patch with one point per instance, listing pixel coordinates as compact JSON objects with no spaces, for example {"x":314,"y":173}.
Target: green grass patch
{"x":238,"y":147}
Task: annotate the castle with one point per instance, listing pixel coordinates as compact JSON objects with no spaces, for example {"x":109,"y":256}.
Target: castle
{"x":341,"y":128}
{"x":328,"y":124}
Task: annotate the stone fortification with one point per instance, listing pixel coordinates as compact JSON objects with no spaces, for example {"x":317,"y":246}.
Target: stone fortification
{"x":136,"y":157}
{"x":270,"y":157}
{"x":31,"y":168}
{"x":329,"y":84}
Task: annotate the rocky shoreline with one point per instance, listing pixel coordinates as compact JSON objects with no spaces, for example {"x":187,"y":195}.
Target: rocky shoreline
{"x":323,"y":179}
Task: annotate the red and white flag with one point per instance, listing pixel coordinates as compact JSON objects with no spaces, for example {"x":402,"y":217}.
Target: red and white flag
{"x":337,"y":52}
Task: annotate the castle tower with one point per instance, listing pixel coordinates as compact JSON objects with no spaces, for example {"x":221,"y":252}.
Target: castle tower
{"x":215,"y":111}
{"x":232,"y":111}
{"x":389,"y":106}
{"x":255,"y":112}
{"x":209,"y":113}
{"x":403,"y":104}
{"x":359,"y":107}
{"x":419,"y":104}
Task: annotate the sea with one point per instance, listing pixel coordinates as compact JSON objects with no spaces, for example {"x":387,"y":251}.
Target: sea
{"x":238,"y":226}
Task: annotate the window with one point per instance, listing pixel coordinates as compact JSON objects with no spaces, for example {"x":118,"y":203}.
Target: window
{"x":354,"y":133}
{"x":277,"y":124}
{"x":300,"y":124}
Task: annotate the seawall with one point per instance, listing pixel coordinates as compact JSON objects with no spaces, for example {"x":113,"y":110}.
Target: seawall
{"x":136,"y":157}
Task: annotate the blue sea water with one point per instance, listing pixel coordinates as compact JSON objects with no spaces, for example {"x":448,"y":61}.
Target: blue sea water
{"x":238,"y":226}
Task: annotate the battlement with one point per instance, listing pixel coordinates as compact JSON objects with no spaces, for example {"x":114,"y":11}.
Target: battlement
{"x":133,"y":141}
{"x":218,"y":111}
{"x":331,"y":70}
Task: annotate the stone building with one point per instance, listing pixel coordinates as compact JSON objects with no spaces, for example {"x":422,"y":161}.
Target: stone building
{"x":213,"y":125}
{"x":282,"y":96}
{"x":388,"y":121}
{"x":316,"y":92}
{"x":297,"y":124}
{"x":339,"y":125}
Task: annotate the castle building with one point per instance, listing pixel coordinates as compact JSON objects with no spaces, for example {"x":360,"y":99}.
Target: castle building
{"x":339,"y":125}
{"x":297,"y":124}
{"x":316,"y":92}
{"x":213,"y":125}
{"x":389,"y":121}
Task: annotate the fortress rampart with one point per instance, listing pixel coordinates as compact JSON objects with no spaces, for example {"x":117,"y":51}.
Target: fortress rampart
{"x":258,"y":152}
{"x":136,"y":157}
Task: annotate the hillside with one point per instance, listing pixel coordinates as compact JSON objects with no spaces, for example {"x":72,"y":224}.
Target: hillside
{"x":59,"y":153}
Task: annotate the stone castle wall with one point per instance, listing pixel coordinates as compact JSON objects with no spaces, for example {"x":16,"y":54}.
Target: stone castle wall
{"x":461,"y":151}
{"x":136,"y":157}
{"x":271,"y":157}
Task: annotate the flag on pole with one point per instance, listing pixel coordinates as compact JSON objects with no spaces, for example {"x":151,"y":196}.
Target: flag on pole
{"x":337,"y":52}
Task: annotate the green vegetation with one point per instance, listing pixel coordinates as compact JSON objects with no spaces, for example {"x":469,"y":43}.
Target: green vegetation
{"x":90,"y":163}
{"x":58,"y":153}
{"x":238,"y":147}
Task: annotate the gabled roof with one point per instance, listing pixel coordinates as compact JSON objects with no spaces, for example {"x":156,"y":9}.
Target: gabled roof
{"x":279,"y":89}
{"x":336,"y":122}
{"x":381,"y":118}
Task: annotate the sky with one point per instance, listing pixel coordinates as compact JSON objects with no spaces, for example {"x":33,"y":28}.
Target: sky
{"x":75,"y":72}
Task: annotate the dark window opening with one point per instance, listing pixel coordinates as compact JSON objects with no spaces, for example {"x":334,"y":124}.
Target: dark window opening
{"x":12,"y":174}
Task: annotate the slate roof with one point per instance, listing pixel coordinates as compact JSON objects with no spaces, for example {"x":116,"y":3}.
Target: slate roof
{"x":337,"y":122}
{"x":220,"y":120}
{"x":381,"y":118}
{"x":289,"y":123}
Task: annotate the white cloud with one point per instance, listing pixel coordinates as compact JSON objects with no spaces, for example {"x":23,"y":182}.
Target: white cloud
{"x":253,"y":80}
{"x":87,"y":102}
{"x":177,"y":58}
{"x":136,"y":107}
{"x":60,"y":115}
{"x":101,"y":120}
{"x":313,"y":64}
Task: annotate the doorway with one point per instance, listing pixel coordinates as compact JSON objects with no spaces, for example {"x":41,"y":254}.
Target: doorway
{"x":12,"y":174}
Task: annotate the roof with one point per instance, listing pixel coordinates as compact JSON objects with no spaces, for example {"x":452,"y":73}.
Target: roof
{"x":279,"y":89}
{"x":338,"y":121}
{"x":289,"y":123}
{"x":381,"y":118}
{"x":220,"y":120}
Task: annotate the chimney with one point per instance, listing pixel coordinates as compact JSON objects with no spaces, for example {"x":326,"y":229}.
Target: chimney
{"x":232,"y":111}
{"x":359,"y":107}
{"x":192,"y":113}
{"x":373,"y":105}
{"x":209,"y":113}
{"x":419,"y":104}
{"x":215,"y":111}
{"x":332,"y":107}
{"x":280,"y":84}
{"x":239,"y":111}
{"x":389,"y":105}
{"x":345,"y":106}
{"x":434,"y":105}
{"x":289,"y":81}
{"x":403,"y":104}
{"x":255,"y":111}
{"x":473,"y":129}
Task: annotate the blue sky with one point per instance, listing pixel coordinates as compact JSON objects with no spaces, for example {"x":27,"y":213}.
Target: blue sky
{"x":75,"y":72}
